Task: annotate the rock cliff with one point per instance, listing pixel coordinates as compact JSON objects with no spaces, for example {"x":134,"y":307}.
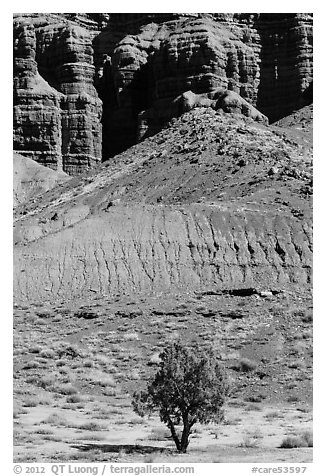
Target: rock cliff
{"x":77,"y":73}
{"x":57,"y":111}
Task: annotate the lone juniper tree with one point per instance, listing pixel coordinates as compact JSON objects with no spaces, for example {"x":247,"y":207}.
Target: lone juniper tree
{"x":189,"y":387}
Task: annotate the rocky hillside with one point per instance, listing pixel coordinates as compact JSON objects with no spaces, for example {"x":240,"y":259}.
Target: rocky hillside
{"x":214,"y":199}
{"x":127,"y":73}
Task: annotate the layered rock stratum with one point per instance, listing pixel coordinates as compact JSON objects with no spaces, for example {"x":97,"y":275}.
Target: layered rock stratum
{"x":57,"y":110}
{"x":75,"y":74}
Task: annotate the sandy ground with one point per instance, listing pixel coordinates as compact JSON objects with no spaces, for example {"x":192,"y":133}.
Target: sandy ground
{"x":77,"y":367}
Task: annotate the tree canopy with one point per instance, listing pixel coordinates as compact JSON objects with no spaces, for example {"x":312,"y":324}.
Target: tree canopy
{"x":189,"y":387}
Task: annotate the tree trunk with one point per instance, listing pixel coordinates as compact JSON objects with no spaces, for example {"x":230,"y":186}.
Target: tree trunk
{"x":174,"y":435}
{"x":185,"y":435}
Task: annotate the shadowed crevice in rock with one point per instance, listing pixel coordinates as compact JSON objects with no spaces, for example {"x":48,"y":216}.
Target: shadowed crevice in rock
{"x":286,"y":63}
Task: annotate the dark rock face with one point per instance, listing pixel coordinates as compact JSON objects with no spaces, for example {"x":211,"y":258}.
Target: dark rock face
{"x":37,"y":114}
{"x":286,"y":63}
{"x":70,"y":67}
{"x":57,"y":109}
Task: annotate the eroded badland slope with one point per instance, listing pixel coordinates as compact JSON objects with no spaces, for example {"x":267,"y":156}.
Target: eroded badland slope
{"x":214,"y":199}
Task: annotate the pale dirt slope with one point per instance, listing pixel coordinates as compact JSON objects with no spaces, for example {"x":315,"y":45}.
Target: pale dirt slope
{"x":30,"y":179}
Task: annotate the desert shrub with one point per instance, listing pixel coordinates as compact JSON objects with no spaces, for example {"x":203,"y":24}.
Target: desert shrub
{"x":293,"y":399}
{"x":307,"y":437}
{"x":136,"y":421}
{"x":249,"y":442}
{"x":247,"y":365}
{"x":31,"y":402}
{"x":44,"y":314}
{"x":272,"y":415}
{"x":252,"y":438}
{"x":236,"y":403}
{"x":235,"y":314}
{"x":303,"y":409}
{"x":43,"y":362}
{"x":307,"y":317}
{"x":134,"y":375}
{"x":65,"y":349}
{"x":64,"y":371}
{"x":307,"y":334}
{"x":35,"y":349}
{"x":67,"y":389}
{"x":189,"y":387}
{"x":88,"y":363}
{"x":45,"y":400}
{"x":48,"y":353}
{"x":90,"y":426}
{"x":303,"y":441}
{"x":92,"y":437}
{"x":57,"y":318}
{"x":159,"y":434}
{"x":296,"y":364}
{"x":256,"y":398}
{"x":54,"y":438}
{"x":40,"y":322}
{"x":43,"y":431}
{"x":102,"y":380}
{"x":232,"y":421}
{"x":305,"y":314}
{"x":74,"y":398}
{"x":46,"y":382}
{"x":253,"y":408}
{"x":152,"y":458}
{"x":55,"y":419}
{"x":86,"y":314}
{"x":131,"y":336}
{"x":109,"y":392}
{"x":33,"y":364}
{"x":61,"y":362}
